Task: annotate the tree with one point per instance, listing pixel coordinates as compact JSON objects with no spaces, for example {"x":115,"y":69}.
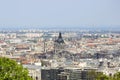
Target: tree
{"x":10,"y":70}
{"x":116,"y":76}
{"x":93,"y":75}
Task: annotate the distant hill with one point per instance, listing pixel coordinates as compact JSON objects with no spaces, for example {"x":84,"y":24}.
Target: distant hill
{"x":110,"y":28}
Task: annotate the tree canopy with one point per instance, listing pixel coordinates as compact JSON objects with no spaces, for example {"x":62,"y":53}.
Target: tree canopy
{"x":116,"y":76}
{"x":10,"y":70}
{"x":100,"y":76}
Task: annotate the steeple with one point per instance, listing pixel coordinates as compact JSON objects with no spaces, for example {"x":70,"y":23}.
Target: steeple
{"x":60,"y":36}
{"x":59,"y":45}
{"x":60,"y":39}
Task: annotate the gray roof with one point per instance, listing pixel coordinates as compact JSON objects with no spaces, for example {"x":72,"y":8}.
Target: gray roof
{"x":29,"y":66}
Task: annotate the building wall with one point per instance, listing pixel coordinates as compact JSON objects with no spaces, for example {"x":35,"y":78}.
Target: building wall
{"x":65,"y":74}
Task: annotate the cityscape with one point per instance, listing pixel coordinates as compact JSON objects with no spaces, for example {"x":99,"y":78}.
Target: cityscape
{"x":59,"y":39}
{"x":63,"y":55}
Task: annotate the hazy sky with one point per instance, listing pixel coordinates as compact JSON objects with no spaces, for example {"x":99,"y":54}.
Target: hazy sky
{"x":59,"y":12}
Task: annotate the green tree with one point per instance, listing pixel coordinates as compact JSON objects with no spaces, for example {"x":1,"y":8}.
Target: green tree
{"x":116,"y":76}
{"x":10,"y":70}
{"x":93,"y":75}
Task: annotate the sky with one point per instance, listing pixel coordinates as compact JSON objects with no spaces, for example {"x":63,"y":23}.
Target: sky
{"x":54,"y":13}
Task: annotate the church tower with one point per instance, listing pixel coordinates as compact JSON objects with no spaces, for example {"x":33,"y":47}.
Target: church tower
{"x":59,"y":44}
